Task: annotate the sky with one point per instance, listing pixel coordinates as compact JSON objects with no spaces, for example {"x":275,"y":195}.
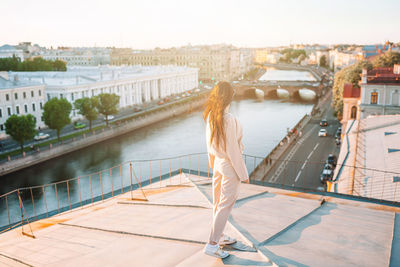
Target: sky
{"x":147,"y":24}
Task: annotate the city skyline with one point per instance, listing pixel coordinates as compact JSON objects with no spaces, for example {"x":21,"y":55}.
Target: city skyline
{"x":143,"y":25}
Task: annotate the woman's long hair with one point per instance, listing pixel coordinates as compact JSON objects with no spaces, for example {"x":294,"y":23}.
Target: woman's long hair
{"x":220,"y":97}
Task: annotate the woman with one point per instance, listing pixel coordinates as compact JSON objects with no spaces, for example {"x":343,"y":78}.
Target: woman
{"x":224,"y":135}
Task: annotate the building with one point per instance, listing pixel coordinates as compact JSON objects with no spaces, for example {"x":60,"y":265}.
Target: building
{"x":351,"y":103}
{"x":20,"y":98}
{"x":368,"y":163}
{"x":380,"y":91}
{"x":7,"y":51}
{"x":339,"y":59}
{"x":79,"y":56}
{"x":261,"y":55}
{"x":134,"y":84}
{"x":215,"y":63}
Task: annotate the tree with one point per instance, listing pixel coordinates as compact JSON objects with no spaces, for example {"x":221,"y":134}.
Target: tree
{"x":323,"y":62}
{"x":21,"y":128}
{"x":36,"y":64}
{"x":88,"y":108}
{"x":387,"y":60}
{"x":108,"y":104}
{"x":56,"y":114}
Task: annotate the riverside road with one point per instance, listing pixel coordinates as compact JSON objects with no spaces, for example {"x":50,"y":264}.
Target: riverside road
{"x":302,"y":164}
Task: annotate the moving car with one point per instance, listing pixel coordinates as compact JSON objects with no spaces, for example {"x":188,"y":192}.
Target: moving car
{"x":322,"y":132}
{"x":323,"y":122}
{"x":327,"y":174}
{"x":79,"y":125}
{"x":41,"y":136}
{"x":332,"y":159}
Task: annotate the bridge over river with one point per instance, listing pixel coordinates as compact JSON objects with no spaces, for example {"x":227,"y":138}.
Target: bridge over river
{"x":293,"y":89}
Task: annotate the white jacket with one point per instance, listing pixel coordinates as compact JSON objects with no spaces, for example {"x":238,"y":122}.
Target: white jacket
{"x":229,"y":162}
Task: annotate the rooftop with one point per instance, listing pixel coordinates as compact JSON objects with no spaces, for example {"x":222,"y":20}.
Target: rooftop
{"x":351,"y":92}
{"x":383,"y":75}
{"x":273,"y":227}
{"x":89,"y":75}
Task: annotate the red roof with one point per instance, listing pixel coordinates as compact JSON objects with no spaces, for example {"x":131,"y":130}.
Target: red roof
{"x":382,"y":76}
{"x":350,"y":92}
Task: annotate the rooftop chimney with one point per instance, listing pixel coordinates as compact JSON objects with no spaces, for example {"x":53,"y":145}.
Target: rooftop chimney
{"x":364,"y":76}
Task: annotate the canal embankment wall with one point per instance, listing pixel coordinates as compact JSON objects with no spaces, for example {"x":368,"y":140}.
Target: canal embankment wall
{"x":123,"y":127}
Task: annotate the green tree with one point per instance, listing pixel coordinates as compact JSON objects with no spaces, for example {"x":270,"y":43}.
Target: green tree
{"x":323,"y":62}
{"x":21,"y":128}
{"x":387,"y":60}
{"x":88,"y":108}
{"x":36,"y":64}
{"x":56,"y":114}
{"x":108,"y":104}
{"x":350,"y":74}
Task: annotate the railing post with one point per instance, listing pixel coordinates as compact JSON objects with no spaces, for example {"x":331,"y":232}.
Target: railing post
{"x":189,"y":165}
{"x":130,"y":167}
{"x":180,"y":171}
{"x":58,"y":205}
{"x":91,"y":190}
{"x":101,"y":185}
{"x":45,"y":202}
{"x":79,"y":188}
{"x":120,"y":173}
{"x":254,"y":167}
{"x":20,"y":209}
{"x":8,"y":212}
{"x":33,"y":203}
{"x":69,"y":199}
{"x":150,"y":173}
{"x":160,"y":173}
{"x":170,"y":172}
{"x":112,"y":186}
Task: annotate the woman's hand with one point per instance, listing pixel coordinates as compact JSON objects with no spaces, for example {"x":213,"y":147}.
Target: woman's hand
{"x":246,"y":181}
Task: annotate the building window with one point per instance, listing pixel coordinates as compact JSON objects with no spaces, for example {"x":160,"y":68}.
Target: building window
{"x":32,"y":94}
{"x":72,"y":96}
{"x":24,"y":94}
{"x":374,"y":98}
{"x":61,"y":96}
{"x":16,"y":96}
{"x":33,"y":107}
{"x":1,"y":113}
{"x":41,"y":105}
{"x":9,"y":111}
{"x":48,"y":97}
{"x":40,"y":92}
{"x":1,"y":127}
{"x":26,"y":108}
{"x":7,"y":97}
{"x":353,"y":112}
{"x":17,"y":109}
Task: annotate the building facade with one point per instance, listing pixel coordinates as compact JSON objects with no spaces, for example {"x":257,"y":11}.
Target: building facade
{"x":380,"y":91}
{"x":20,"y":98}
{"x":79,"y":56}
{"x":135,"y":85}
{"x":7,"y":51}
{"x":215,"y":63}
{"x":351,"y":103}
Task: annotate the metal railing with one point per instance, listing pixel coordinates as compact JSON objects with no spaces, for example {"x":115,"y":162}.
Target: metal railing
{"x":28,"y":204}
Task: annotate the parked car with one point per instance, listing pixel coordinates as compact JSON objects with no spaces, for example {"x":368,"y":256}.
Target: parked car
{"x":322,"y":132}
{"x":79,"y":125}
{"x":110,"y":117}
{"x":41,"y":136}
{"x":323,"y":122}
{"x":137,"y":109}
{"x":332,"y":159}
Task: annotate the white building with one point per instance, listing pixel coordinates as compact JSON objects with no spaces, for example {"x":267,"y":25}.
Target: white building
{"x":20,"y":98}
{"x":79,"y":56}
{"x":380,"y":91}
{"x":10,"y":51}
{"x":134,"y":84}
{"x":341,"y":59}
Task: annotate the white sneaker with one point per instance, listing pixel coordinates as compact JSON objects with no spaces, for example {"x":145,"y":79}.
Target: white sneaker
{"x":215,"y":251}
{"x":226,"y":240}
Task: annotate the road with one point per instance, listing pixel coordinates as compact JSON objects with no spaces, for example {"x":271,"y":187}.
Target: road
{"x":302,"y":164}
